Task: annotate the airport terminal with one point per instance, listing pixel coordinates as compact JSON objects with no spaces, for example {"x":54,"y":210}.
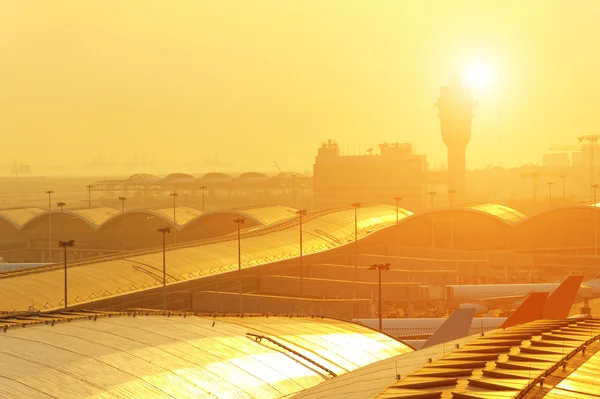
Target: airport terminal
{"x":375,"y":275}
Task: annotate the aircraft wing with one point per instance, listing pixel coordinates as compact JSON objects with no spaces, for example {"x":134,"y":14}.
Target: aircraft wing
{"x":501,"y":302}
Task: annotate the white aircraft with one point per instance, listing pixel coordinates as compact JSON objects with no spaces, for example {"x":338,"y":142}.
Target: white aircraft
{"x":536,"y":305}
{"x":419,"y":328}
{"x":507,"y":296}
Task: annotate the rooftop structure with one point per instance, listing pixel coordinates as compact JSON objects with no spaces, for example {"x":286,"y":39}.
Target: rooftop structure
{"x":183,"y":356}
{"x":456,"y":113}
{"x":372,"y":178}
{"x":515,"y":362}
{"x":134,"y":272}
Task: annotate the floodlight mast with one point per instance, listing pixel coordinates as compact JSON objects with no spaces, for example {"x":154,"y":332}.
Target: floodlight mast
{"x":379,"y":267}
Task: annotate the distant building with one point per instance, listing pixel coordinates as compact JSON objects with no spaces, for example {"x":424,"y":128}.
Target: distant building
{"x":560,"y":159}
{"x":339,"y":180}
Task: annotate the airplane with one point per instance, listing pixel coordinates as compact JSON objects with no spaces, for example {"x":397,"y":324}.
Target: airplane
{"x":535,"y":306}
{"x":507,"y":296}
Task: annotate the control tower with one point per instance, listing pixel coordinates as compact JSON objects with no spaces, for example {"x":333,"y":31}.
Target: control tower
{"x":456,"y":113}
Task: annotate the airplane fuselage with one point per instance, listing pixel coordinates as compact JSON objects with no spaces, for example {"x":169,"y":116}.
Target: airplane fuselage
{"x":423,"y":327}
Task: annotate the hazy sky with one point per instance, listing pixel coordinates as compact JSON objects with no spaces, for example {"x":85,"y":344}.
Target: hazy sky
{"x":250,"y":82}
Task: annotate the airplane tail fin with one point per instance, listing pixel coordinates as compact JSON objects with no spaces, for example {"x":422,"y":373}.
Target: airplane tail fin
{"x":531,"y":309}
{"x":560,"y":301}
{"x":456,"y":326}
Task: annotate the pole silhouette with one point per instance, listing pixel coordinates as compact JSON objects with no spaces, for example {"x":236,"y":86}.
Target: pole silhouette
{"x":122,"y":199}
{"x":432,"y":194}
{"x":49,"y":192}
{"x":301,"y":213}
{"x":239,"y":222}
{"x":164,"y":231}
{"x":451,"y":194}
{"x":397,"y":199}
{"x":65,"y":245}
{"x":379,"y":267}
{"x":356,"y":205}
{"x":174,"y":195}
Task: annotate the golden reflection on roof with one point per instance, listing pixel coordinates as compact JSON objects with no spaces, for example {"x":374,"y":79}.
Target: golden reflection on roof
{"x":508,"y":362}
{"x":183,"y":214}
{"x":184,"y":357}
{"x":270,"y":214}
{"x":96,"y":216}
{"x":18,"y":217}
{"x":500,"y":211}
{"x":91,"y":279}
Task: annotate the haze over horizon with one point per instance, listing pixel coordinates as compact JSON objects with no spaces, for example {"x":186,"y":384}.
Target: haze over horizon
{"x":190,"y":81}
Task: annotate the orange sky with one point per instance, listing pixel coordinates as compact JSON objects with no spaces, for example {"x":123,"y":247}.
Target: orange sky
{"x":249,"y":84}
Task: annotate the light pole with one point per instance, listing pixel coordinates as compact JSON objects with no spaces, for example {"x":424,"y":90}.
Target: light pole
{"x":174,"y":195}
{"x":356,"y":205}
{"x":49,"y":192}
{"x":61,"y":205}
{"x":89,"y":187}
{"x":595,"y":187}
{"x":563,"y":185}
{"x":239,"y":222}
{"x":379,"y":267}
{"x":203,"y":188}
{"x":397,"y":199}
{"x":432,"y":194}
{"x":535,"y":177}
{"x":164,"y":231}
{"x":122,"y":199}
{"x":451,"y":194}
{"x":550,"y":183}
{"x":301,"y":213}
{"x":65,"y":245}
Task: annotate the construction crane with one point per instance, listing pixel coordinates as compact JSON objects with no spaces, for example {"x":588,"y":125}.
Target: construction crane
{"x":593,"y":141}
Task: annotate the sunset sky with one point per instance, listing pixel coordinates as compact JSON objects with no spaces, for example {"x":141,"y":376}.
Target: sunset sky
{"x":249,"y":82}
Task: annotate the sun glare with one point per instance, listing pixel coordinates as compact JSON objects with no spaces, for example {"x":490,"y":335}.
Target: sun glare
{"x":477,"y":76}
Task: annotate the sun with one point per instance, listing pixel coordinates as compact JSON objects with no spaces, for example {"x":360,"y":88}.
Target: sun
{"x":477,"y":76}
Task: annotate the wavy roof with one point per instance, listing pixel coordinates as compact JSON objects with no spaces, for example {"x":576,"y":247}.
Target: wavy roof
{"x":18,"y":217}
{"x":500,"y":211}
{"x":136,"y":272}
{"x":183,"y":214}
{"x":153,"y":356}
{"x":97,"y":218}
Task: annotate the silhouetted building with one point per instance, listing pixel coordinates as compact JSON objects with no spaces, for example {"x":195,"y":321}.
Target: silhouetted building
{"x":556,"y":160}
{"x":340,"y":180}
{"x":456,"y":114}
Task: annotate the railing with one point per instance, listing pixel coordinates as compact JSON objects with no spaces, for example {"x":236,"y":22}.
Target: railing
{"x":258,"y":338}
{"x":558,"y":364}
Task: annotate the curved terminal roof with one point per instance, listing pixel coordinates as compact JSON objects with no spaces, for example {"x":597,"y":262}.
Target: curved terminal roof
{"x":43,"y":289}
{"x":154,"y":356}
{"x":269,"y":214}
{"x":500,"y":211}
{"x":97,"y":218}
{"x":142,"y":178}
{"x":215,"y":177}
{"x":18,"y":217}
{"x":256,"y":176}
{"x":183,"y":214}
